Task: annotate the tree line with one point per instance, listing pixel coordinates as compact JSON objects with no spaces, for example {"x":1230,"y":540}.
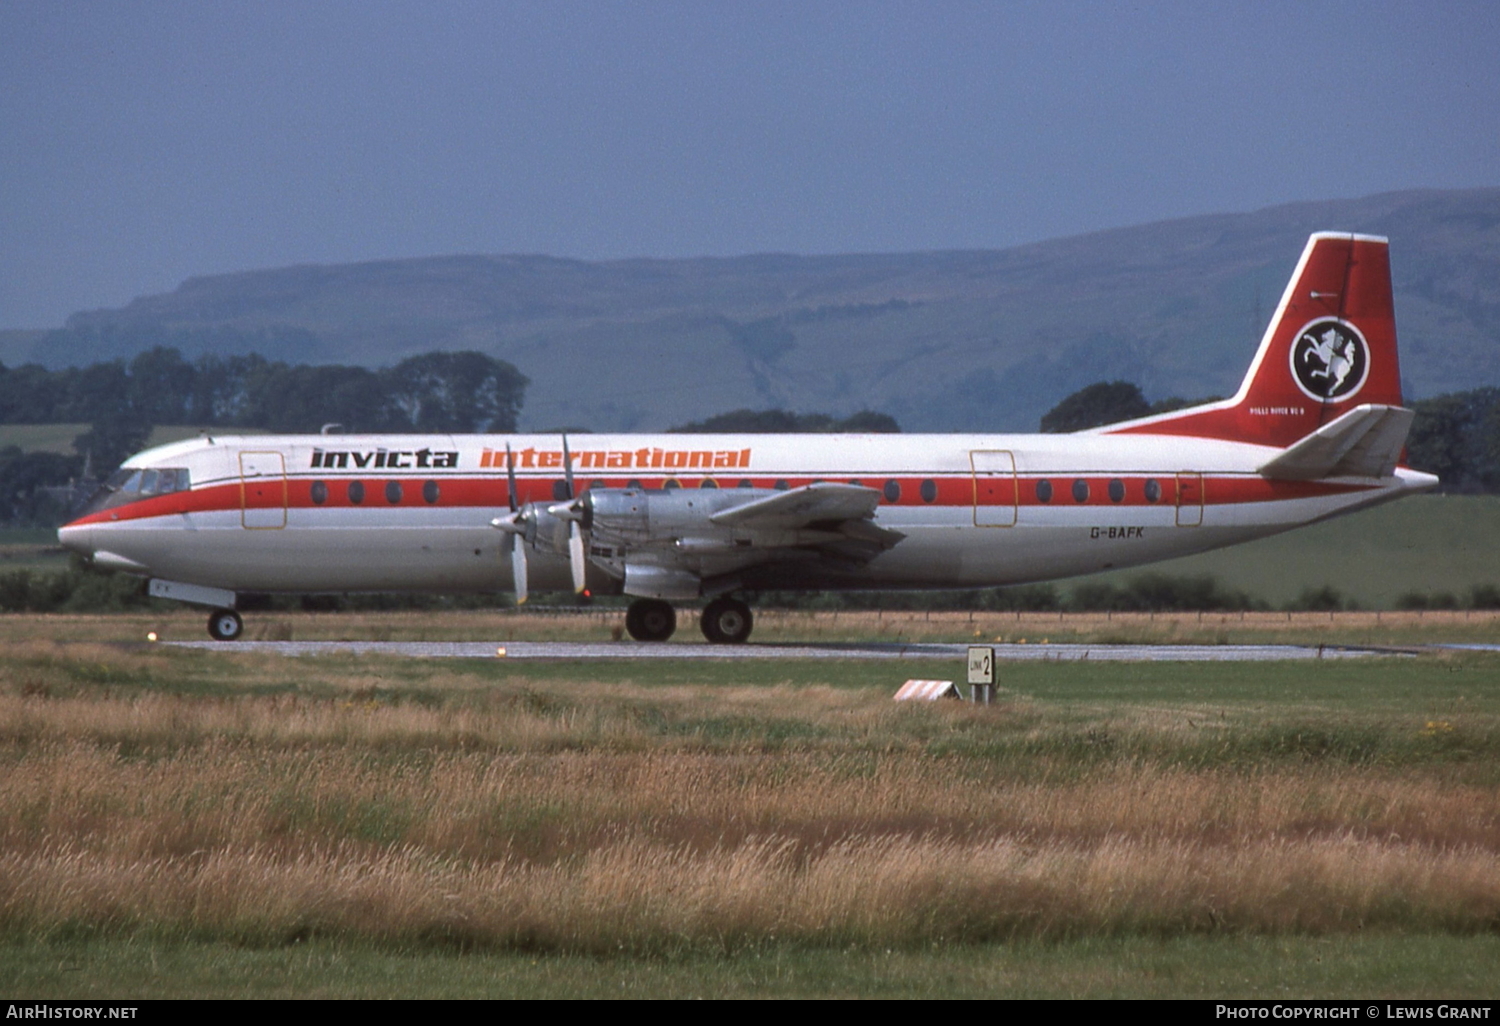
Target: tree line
{"x":1456,"y":436}
{"x":777,"y":422}
{"x":122,"y":401}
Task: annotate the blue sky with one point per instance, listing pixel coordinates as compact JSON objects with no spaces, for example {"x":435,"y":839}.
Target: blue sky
{"x":144,"y":142}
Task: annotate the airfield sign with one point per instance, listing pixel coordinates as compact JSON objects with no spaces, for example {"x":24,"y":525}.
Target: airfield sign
{"x":981,"y":664}
{"x":981,"y":674}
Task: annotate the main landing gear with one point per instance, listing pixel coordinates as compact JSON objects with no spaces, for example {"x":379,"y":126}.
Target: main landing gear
{"x":650,"y":620}
{"x":725,"y":621}
{"x":225,"y":625}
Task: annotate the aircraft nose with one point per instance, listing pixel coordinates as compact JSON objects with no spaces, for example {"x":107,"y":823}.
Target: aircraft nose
{"x":78,"y":539}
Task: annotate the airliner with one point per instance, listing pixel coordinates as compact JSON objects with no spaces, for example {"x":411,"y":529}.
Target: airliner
{"x":1317,"y":429}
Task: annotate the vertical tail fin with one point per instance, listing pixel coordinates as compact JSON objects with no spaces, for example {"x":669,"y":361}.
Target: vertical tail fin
{"x":1330,"y":347}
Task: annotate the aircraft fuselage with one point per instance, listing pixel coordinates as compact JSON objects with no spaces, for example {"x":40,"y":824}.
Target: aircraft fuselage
{"x":299,"y":514}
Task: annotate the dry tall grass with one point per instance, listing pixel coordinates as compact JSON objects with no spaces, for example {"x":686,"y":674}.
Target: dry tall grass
{"x":618,"y":819}
{"x":639,"y":895}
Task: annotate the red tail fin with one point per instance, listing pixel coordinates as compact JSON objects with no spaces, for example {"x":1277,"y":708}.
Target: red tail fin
{"x":1330,"y":347}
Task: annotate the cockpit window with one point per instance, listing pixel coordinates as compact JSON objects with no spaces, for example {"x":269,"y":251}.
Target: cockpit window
{"x":131,"y":485}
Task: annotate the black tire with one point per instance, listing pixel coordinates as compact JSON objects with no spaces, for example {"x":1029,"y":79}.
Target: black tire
{"x":650,"y":620}
{"x":225,"y":625}
{"x":727,"y":621}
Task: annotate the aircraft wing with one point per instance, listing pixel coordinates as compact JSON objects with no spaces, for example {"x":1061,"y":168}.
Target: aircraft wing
{"x":1365,"y":442}
{"x":681,"y":543}
{"x":836,"y":519}
{"x":819,"y":502}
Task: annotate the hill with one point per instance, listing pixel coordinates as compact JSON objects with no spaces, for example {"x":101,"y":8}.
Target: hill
{"x":981,"y":340}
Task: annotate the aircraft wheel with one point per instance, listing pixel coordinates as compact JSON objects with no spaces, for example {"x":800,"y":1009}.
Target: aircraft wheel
{"x":224,"y":625}
{"x":727,"y":621}
{"x":650,"y":620}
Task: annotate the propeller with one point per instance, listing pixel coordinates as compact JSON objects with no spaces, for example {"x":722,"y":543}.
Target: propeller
{"x":524,"y":521}
{"x":515,"y":525}
{"x":574,"y":516}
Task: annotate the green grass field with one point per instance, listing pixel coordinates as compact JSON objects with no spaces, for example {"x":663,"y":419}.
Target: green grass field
{"x":1425,"y":543}
{"x":197,"y":823}
{"x":31,"y":549}
{"x":58,"y":438}
{"x":1358,"y":967}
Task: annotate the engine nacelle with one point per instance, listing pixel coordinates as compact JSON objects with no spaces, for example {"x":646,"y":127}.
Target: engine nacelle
{"x":668,"y":529}
{"x":634,"y":517}
{"x":666,"y":544}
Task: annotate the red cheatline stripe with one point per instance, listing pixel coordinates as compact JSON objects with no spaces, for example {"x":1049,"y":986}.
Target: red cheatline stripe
{"x":490,"y":492}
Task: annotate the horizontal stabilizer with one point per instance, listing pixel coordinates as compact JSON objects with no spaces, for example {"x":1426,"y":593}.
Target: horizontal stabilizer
{"x":1365,"y":442}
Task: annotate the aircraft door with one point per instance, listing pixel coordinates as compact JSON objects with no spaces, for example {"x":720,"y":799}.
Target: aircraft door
{"x":262,"y":490}
{"x":1189,"y":499}
{"x":994,"y":487}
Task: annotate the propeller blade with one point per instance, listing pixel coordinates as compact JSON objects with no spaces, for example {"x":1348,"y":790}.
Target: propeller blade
{"x":568,"y":467}
{"x":510,"y":477}
{"x":518,"y":569}
{"x":575,"y":556}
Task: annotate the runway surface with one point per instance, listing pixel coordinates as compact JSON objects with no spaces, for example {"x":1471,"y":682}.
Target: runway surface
{"x":635,"y":650}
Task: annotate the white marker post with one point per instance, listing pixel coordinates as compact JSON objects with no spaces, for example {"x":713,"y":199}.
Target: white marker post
{"x":981,"y":674}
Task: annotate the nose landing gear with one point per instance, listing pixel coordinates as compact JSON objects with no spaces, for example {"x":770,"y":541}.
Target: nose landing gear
{"x":225,"y":625}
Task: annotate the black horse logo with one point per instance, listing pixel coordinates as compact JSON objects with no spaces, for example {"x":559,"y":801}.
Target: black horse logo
{"x":1329,"y":360}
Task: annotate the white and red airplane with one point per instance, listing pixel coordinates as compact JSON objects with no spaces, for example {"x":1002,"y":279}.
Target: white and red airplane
{"x":1316,"y":429}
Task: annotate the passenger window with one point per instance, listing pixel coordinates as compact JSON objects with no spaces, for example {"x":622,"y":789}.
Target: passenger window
{"x":670,"y":485}
{"x":781,"y":485}
{"x":1080,"y":490}
{"x":929,"y":490}
{"x":745,"y":482}
{"x":356,"y":492}
{"x":318,"y":493}
{"x":393,"y":492}
{"x":709,"y":482}
{"x":1116,"y":490}
{"x":1153,"y":490}
{"x":559,"y":490}
{"x":1044,"y":490}
{"x":430,"y":493}
{"x":892,"y":490}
